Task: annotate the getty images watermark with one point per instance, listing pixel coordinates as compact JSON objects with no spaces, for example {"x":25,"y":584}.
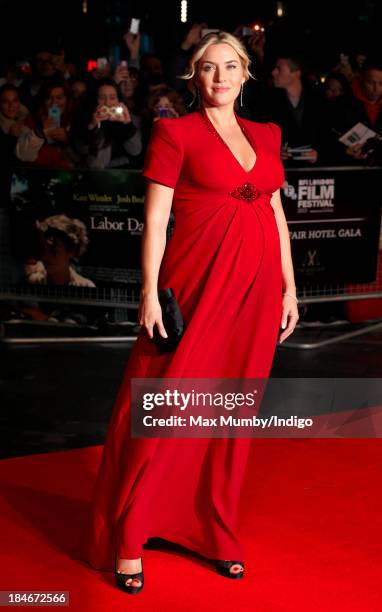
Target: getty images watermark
{"x":251,"y":407}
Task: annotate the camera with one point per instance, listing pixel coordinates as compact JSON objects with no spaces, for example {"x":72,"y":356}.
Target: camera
{"x":112,"y":112}
{"x":116,"y":111}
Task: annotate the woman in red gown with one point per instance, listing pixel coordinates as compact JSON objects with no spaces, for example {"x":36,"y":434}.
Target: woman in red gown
{"x":228,"y":262}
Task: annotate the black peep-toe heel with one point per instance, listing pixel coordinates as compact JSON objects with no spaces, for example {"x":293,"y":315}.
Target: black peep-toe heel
{"x":121,"y":578}
{"x":223,"y":568}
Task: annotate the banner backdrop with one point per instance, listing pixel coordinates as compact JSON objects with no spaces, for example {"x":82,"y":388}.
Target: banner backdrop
{"x":334,"y":218}
{"x":84,"y":228}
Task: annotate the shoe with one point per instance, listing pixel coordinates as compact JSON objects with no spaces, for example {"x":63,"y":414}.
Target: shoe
{"x":121,"y":578}
{"x":223,"y":568}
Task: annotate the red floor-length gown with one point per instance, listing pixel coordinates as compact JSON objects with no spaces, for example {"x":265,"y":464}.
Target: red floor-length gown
{"x":224,"y":263}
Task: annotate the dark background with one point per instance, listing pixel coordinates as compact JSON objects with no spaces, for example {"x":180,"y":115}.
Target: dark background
{"x":316,"y":30}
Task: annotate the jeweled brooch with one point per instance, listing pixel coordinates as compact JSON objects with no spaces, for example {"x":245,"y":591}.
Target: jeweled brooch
{"x":247,"y":192}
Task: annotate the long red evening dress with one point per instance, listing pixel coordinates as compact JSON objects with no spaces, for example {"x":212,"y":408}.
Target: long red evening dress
{"x":224,"y":263}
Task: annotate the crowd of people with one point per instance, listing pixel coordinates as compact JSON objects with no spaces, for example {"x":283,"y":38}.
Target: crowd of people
{"x":52,"y":115}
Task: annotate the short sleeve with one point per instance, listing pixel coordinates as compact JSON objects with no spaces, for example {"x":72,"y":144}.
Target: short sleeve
{"x":276,"y":133}
{"x":164,"y":155}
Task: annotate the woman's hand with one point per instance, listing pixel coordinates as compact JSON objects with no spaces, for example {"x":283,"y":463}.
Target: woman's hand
{"x":48,"y":123}
{"x":285,"y":153}
{"x":16,"y":129}
{"x":133,"y":42}
{"x":256,"y":43}
{"x":125,"y":116}
{"x":310,"y":156}
{"x":289,"y":316}
{"x":193,"y":36}
{"x":99,"y":115}
{"x":58,"y":134}
{"x":121,"y":73}
{"x":355,"y":151}
{"x":150,"y":313}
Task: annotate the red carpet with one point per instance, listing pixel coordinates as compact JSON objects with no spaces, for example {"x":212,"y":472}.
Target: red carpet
{"x":311,"y":522}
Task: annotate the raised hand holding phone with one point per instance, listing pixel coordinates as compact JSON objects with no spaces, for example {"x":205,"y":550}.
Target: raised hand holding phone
{"x":133,"y":42}
{"x":54,"y":113}
{"x":58,"y":135}
{"x":193,"y":36}
{"x":52,"y":123}
{"x":121,"y":72}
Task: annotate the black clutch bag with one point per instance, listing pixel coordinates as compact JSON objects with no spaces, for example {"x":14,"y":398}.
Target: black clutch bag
{"x":172,"y":321}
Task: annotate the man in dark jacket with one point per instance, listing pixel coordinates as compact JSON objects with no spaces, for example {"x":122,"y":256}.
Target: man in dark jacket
{"x":363,"y":106}
{"x":297,"y":109}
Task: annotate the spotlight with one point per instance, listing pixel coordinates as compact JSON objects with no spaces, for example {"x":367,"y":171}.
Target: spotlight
{"x":183,"y":11}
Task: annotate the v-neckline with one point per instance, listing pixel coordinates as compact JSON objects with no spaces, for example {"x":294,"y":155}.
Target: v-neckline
{"x":248,"y":136}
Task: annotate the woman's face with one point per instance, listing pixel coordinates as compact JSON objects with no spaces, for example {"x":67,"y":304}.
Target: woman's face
{"x":10,"y":104}
{"x":129,"y":86}
{"x":107,"y":95}
{"x":58,"y":98}
{"x":333,"y":89}
{"x":220,"y":75}
{"x":79,"y":89}
{"x":153,"y":65}
{"x":163,"y":102}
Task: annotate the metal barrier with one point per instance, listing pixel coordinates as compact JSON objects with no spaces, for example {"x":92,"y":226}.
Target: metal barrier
{"x":338,"y":293}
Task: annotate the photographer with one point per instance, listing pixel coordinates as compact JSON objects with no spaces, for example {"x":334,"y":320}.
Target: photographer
{"x":127,"y":78}
{"x":48,"y":141}
{"x":298,"y":110}
{"x":43,"y":68}
{"x":165,"y":102}
{"x":363,"y":105}
{"x":12,"y":122}
{"x":177,"y":64}
{"x":112,"y":139}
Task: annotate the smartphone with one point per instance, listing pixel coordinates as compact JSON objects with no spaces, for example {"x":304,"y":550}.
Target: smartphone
{"x":246,"y":31}
{"x":55,"y":114}
{"x":134,"y":26}
{"x":164,"y":112}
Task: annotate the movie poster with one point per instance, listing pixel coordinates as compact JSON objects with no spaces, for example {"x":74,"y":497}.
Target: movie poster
{"x":77,"y":228}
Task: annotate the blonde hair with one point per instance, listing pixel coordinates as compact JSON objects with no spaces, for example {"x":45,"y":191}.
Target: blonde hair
{"x":215,"y":38}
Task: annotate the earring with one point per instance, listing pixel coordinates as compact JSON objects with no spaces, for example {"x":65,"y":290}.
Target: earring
{"x":192,"y":102}
{"x":194,"y":98}
{"x":241,"y":94}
